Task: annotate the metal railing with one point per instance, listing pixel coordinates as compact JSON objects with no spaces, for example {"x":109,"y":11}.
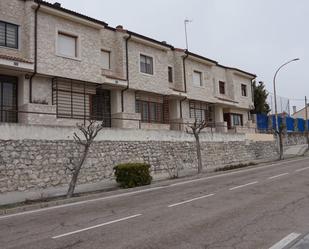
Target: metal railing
{"x":110,"y":121}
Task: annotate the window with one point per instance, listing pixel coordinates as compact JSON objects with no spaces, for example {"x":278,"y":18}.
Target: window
{"x":237,"y":119}
{"x":8,"y":99}
{"x":197,"y":78}
{"x":222,"y":87}
{"x":243,"y":90}
{"x":8,"y":35}
{"x":150,"y":111}
{"x":146,"y":64}
{"x":170,"y":74}
{"x":78,"y":100}
{"x":105,"y":59}
{"x":67,"y":45}
{"x":201,"y":111}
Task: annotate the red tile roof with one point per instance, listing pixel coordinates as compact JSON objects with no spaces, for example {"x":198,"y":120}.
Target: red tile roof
{"x":14,"y":58}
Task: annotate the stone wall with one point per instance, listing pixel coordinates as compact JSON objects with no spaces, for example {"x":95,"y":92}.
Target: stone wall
{"x":294,"y":138}
{"x":29,"y":165}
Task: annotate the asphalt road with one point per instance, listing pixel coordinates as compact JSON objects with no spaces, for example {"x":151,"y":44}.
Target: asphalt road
{"x":251,"y":208}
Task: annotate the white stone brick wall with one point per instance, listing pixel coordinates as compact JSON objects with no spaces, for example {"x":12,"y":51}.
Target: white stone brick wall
{"x":19,"y":13}
{"x":156,"y":83}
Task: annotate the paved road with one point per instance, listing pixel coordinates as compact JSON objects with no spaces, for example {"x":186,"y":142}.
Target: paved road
{"x":252,"y":208}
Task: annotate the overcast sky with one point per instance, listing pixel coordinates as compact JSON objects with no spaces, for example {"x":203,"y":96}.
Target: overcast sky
{"x":253,"y":35}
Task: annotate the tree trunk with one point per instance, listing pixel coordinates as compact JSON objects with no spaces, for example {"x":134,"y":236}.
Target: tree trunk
{"x":199,"y":156}
{"x":280,"y":146}
{"x":76,"y":171}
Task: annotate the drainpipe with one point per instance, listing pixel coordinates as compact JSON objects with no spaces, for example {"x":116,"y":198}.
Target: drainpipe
{"x":185,"y":98}
{"x":127,"y":71}
{"x":184,"y":80}
{"x":184,"y":70}
{"x":35,"y":50}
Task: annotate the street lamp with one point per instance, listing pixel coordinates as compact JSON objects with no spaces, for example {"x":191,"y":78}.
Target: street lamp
{"x":279,"y":138}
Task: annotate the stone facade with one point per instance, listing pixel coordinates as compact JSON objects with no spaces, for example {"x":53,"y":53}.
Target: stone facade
{"x":28,"y":165}
{"x":124,"y":47}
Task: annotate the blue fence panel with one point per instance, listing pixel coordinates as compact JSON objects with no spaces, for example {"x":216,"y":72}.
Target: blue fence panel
{"x":290,"y":124}
{"x":262,"y":121}
{"x":301,"y":124}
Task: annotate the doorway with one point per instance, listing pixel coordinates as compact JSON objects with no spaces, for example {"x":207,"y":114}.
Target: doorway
{"x":8,"y":99}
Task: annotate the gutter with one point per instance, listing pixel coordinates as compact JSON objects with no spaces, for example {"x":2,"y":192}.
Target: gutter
{"x":127,"y":72}
{"x":184,"y":70}
{"x":184,"y":80}
{"x":35,"y":50}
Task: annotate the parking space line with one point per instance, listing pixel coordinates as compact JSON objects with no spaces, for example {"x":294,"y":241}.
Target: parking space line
{"x":302,"y":169}
{"x":187,"y":201}
{"x":285,"y":241}
{"x":276,"y":176}
{"x":96,"y":226}
{"x":244,"y":185}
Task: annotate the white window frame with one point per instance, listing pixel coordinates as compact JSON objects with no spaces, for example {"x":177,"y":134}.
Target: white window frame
{"x":78,"y":45}
{"x":109,"y":63}
{"x":153,"y":64}
{"x":202,"y":75}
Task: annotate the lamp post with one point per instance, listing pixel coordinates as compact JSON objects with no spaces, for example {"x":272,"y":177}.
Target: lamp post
{"x":278,"y":132}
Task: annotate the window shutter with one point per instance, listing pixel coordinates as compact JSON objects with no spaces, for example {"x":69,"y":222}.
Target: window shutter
{"x":67,"y":45}
{"x":105,"y":59}
{"x":2,"y":34}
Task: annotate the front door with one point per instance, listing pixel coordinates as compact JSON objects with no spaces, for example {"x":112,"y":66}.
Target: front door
{"x":8,"y":99}
{"x":227,"y":118}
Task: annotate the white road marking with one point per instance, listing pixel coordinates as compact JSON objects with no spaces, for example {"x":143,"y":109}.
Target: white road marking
{"x":302,"y":169}
{"x":194,"y":199}
{"x":244,"y":185}
{"x":147,"y":190}
{"x":234,"y":172}
{"x":285,"y":241}
{"x":96,"y":226}
{"x":80,"y":202}
{"x":276,"y":176}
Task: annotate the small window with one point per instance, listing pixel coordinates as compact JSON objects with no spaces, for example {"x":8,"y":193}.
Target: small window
{"x":67,"y":45}
{"x":243,"y":90}
{"x":222,"y":87}
{"x":105,"y":59}
{"x":146,"y":64}
{"x":8,"y":35}
{"x":170,"y":74}
{"x":197,"y":78}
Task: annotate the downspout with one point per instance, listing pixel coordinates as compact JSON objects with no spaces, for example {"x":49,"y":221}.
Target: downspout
{"x":35,"y":50}
{"x":127,"y":72}
{"x":184,"y":80}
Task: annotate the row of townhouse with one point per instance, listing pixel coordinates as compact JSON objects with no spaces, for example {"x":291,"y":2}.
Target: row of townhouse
{"x":58,"y":67}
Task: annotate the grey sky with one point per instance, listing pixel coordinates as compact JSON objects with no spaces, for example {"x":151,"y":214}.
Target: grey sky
{"x":253,"y":35}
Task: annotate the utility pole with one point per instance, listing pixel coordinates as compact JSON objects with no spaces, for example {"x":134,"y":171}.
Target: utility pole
{"x":186,"y":34}
{"x":306,"y":120}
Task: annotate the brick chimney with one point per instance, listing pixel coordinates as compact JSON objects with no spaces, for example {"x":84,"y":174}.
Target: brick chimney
{"x":58,"y":5}
{"x":119,"y":27}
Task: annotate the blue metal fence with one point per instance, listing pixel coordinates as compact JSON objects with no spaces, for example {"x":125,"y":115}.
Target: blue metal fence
{"x":267,"y":123}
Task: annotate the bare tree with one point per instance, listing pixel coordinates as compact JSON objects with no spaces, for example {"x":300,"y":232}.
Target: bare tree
{"x":196,"y":129}
{"x":280,"y":133}
{"x":89,"y":133}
